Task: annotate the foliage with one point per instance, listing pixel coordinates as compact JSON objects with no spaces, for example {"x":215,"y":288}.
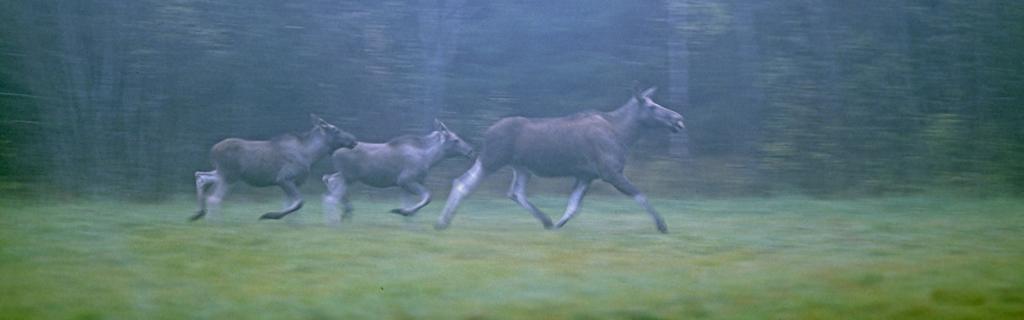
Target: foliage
{"x":813,"y":96}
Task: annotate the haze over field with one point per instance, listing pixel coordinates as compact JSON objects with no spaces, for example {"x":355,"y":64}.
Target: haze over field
{"x":840,"y":159}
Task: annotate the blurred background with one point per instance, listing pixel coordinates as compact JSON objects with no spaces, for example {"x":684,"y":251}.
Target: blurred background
{"x":816,"y":97}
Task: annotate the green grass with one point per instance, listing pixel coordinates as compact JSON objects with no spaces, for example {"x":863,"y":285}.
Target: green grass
{"x":782,"y":258}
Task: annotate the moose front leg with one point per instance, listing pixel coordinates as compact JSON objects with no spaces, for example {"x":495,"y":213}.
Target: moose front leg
{"x":294,"y":198}
{"x":619,"y":181}
{"x":511,"y":194}
{"x":414,"y":187}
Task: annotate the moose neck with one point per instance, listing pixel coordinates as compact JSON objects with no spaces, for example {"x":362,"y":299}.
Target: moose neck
{"x":434,"y":148}
{"x":314,"y":147}
{"x":626,"y":123}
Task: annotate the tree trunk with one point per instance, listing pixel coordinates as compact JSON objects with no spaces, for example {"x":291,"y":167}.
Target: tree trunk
{"x":679,"y":73}
{"x":751,"y":100}
{"x":440,"y":21}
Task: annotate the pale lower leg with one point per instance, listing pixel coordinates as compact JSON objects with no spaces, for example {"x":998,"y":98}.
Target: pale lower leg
{"x":623,"y":184}
{"x":460,"y":188}
{"x":578,"y":191}
{"x":203,"y":180}
{"x":220,"y":189}
{"x":520,"y":177}
{"x":641,"y":199}
{"x":294,"y":201}
{"x":418,"y":189}
{"x":336,"y":189}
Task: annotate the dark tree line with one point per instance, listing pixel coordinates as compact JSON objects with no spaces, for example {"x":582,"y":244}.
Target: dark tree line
{"x":812,"y":96}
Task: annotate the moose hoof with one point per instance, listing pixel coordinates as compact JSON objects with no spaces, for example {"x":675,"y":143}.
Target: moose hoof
{"x":269,"y":215}
{"x":662,"y":228}
{"x":402,"y":212}
{"x":440,"y":227}
{"x":197,"y":216}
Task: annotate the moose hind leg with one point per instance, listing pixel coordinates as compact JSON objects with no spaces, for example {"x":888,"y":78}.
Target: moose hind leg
{"x":294,"y":200}
{"x":337,"y":191}
{"x":511,"y":194}
{"x":460,"y":188}
{"x":623,"y":184}
{"x":418,"y":189}
{"x":519,"y":179}
{"x":220,"y":189}
{"x":203,"y":181}
{"x":578,"y":191}
{"x":407,"y":199}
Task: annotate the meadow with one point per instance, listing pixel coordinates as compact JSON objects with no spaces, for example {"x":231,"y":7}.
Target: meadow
{"x":926,"y":257}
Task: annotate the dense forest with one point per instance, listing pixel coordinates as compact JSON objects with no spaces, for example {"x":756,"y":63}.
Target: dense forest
{"x":819,"y":97}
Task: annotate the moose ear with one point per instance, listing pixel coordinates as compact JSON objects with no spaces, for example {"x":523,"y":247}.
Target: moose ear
{"x":317,"y":121}
{"x":439,"y":126}
{"x":637,"y":94}
{"x":650,"y":91}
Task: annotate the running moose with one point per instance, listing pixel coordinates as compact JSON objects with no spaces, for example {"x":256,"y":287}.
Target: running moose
{"x":403,"y":162}
{"x":283,"y":161}
{"x":586,"y":146}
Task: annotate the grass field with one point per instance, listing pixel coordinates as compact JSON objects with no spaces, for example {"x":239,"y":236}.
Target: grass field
{"x":777,"y":258}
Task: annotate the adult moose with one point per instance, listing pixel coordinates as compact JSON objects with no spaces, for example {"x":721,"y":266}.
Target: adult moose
{"x":403,"y":162}
{"x":586,"y":146}
{"x":283,"y":161}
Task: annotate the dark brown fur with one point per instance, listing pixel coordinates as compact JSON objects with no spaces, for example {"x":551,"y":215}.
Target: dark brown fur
{"x":586,"y":146}
{"x":283,"y":161}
